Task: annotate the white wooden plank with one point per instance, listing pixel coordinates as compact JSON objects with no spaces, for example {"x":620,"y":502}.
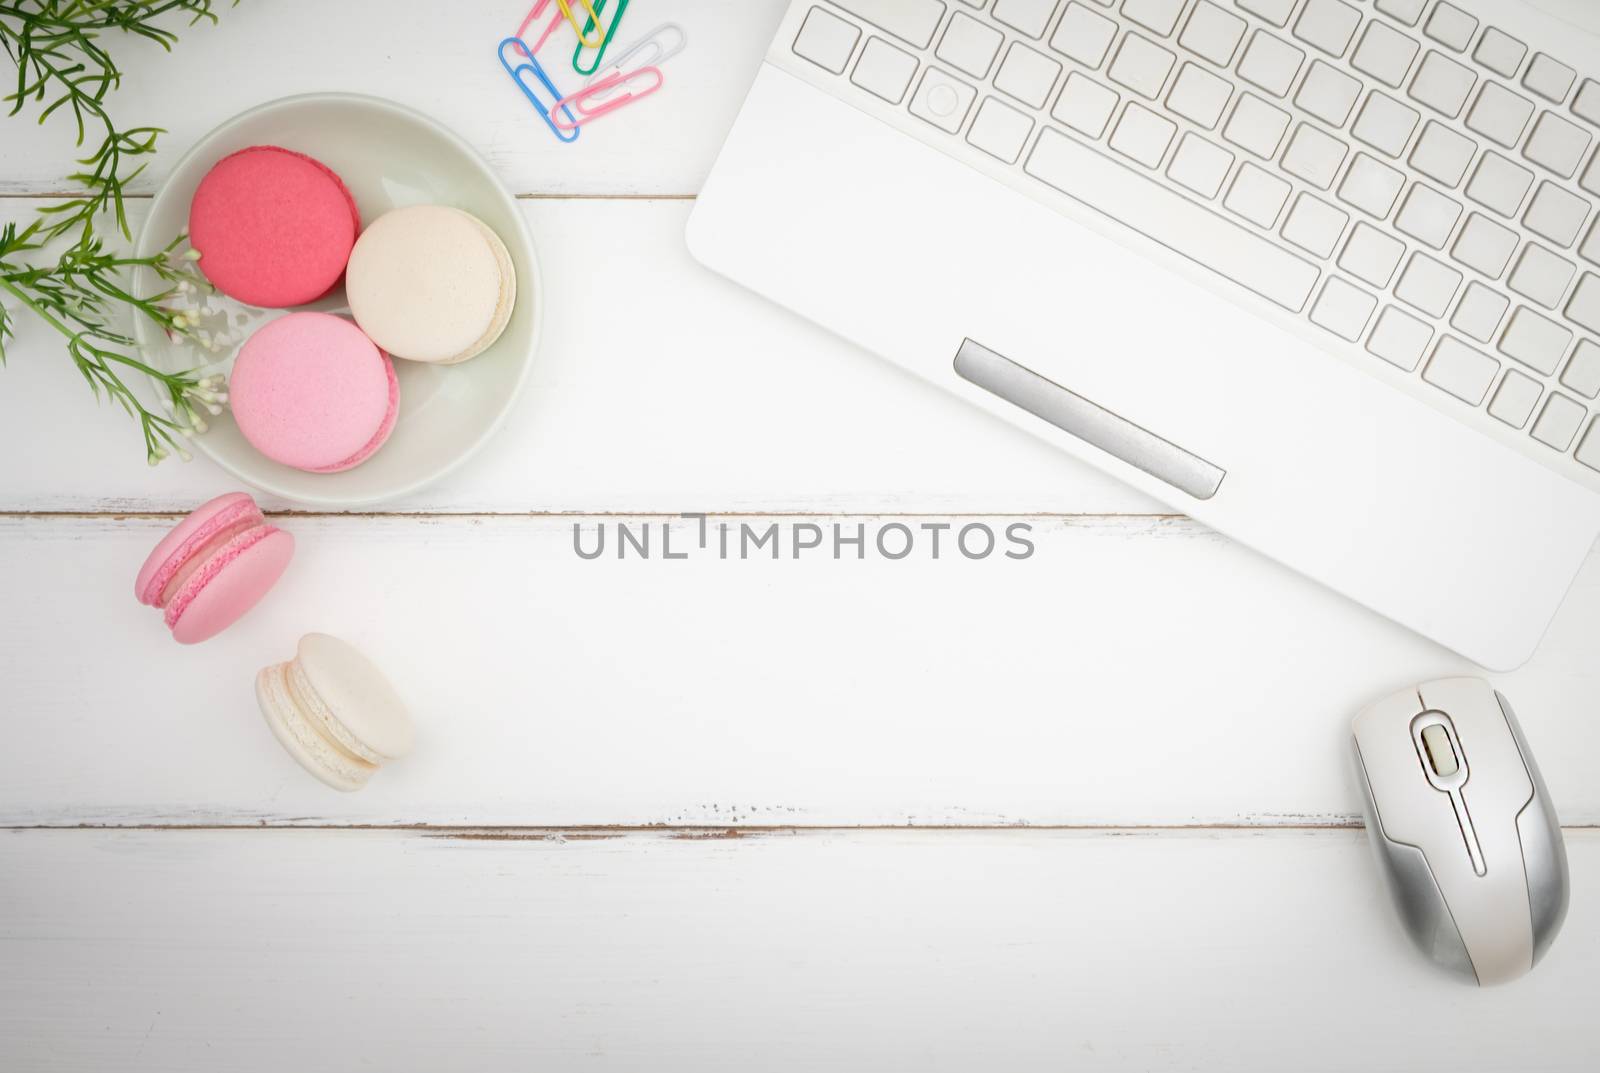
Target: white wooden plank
{"x":1132,"y":671}
{"x":441,"y":61}
{"x":877,"y":951}
{"x":659,"y":387}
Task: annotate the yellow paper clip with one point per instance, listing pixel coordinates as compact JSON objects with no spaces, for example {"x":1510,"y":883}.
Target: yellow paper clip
{"x":594,"y":26}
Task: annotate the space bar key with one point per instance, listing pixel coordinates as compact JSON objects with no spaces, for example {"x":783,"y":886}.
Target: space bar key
{"x":1172,"y":220}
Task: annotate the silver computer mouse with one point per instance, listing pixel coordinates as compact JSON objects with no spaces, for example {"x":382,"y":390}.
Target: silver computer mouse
{"x":1463,"y":827}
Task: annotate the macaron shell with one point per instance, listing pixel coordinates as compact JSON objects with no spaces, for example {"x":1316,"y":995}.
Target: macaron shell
{"x":429,"y":283}
{"x":507,"y":303}
{"x":300,"y":740}
{"x":380,"y":437}
{"x":273,"y":227}
{"x":190,"y":534}
{"x":357,"y":694}
{"x":311,"y":391}
{"x":224,"y":589}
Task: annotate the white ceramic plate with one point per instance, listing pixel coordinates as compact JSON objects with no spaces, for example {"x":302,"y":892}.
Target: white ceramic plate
{"x":388,"y":156}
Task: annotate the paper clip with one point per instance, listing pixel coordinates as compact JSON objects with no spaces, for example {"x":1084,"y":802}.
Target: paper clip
{"x":611,"y":31}
{"x":565,"y":133}
{"x":630,"y":63}
{"x":580,"y":99}
{"x":556,"y":19}
{"x":581,"y":30}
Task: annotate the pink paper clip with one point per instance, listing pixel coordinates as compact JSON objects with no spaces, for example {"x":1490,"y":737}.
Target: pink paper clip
{"x":557,"y":17}
{"x":578,"y":101}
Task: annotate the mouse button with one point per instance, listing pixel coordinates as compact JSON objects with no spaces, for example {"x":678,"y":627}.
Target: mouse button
{"x":1380,"y":722}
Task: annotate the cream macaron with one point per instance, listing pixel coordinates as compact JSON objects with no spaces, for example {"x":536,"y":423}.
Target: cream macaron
{"x":334,"y":712}
{"x":431,"y":283}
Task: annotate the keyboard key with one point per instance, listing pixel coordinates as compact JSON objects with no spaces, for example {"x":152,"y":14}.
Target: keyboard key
{"x":1442,"y":155}
{"x":1212,"y":33}
{"x":1556,"y":215}
{"x":1442,"y":84}
{"x":1256,"y":126}
{"x":1591,"y":246}
{"x":1559,"y":422}
{"x":1000,"y":130}
{"x":1315,"y":226}
{"x":1428,"y":216}
{"x":1500,"y":52}
{"x":1451,"y":27}
{"x":1085,"y":105}
{"x":1499,"y":185}
{"x":969,"y":45}
{"x":1587,"y":102}
{"x":1343,"y":309}
{"x":1536,"y":341}
{"x":1406,"y":11}
{"x":1499,"y":114}
{"x":1557,"y":144}
{"x":1384,"y":53}
{"x":1515,"y":399}
{"x":1257,"y":195}
{"x":1583,"y":371}
{"x":1399,"y":338}
{"x":1314,"y":156}
{"x":1083,"y":36}
{"x":826,"y":40}
{"x":942,"y":100}
{"x":1371,"y":186}
{"x":1480,"y":312}
{"x":1460,"y":370}
{"x":1428,"y":285}
{"x":1328,"y":93}
{"x":1160,"y":16}
{"x":1274,"y":11}
{"x":1591,"y":178}
{"x":1589,"y":449}
{"x":913,"y":21}
{"x":1550,"y":79}
{"x":1541,"y":276}
{"x":1371,"y":255}
{"x":1025,"y":16}
{"x":1199,"y":96}
{"x":1270,"y":63}
{"x":1143,"y":135}
{"x":1167,"y":217}
{"x":1584,"y":308}
{"x":1385,"y":124}
{"x":884,"y":70}
{"x":1141,"y":66}
{"x":1026,"y":75}
{"x":1200,"y":166}
{"x":1484,"y":246}
{"x":1328,"y":25}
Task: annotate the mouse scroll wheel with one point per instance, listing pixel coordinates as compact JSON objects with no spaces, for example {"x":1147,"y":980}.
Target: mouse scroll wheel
{"x":1441,"y":757}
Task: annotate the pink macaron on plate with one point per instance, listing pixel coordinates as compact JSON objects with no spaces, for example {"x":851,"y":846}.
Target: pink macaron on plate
{"x":386,"y":156}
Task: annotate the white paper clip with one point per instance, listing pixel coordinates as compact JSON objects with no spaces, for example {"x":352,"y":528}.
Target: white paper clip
{"x":631,"y":62}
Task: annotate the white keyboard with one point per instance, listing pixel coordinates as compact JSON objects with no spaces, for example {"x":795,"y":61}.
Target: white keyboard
{"x":1414,"y":182}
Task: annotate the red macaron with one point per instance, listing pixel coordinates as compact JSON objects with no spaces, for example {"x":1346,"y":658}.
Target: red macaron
{"x":273,"y":227}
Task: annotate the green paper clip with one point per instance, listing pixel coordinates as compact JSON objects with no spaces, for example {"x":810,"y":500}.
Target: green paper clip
{"x":599,"y":53}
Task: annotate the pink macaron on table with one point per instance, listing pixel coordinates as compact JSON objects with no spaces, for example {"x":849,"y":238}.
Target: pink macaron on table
{"x":274,"y":201}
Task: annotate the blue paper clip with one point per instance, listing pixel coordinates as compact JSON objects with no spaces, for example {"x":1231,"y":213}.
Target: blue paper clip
{"x":533,"y":66}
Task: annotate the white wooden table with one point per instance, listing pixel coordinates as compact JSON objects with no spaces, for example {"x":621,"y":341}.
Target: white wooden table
{"x":1086,"y":810}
